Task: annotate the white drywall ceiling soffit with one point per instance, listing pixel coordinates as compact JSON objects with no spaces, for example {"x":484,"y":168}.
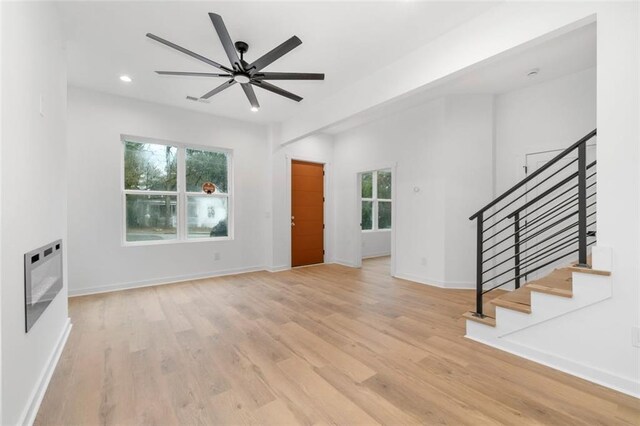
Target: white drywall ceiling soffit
{"x":566,"y":54}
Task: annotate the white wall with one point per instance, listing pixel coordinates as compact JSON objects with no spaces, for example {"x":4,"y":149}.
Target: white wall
{"x":410,"y":140}
{"x":547,"y":116}
{"x":469,"y":165}
{"x":97,"y":259}
{"x":33,"y":196}
{"x":442,"y":156}
{"x":376,"y":244}
{"x":316,"y":148}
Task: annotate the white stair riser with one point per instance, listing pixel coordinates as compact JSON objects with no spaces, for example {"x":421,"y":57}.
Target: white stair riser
{"x":591,"y":286}
{"x":480,"y":331}
{"x":508,"y":320}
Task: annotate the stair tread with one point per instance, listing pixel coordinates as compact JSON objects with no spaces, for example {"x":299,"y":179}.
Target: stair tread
{"x":514,"y":306}
{"x":486,"y":320}
{"x":551,"y":290}
{"x":558,"y":281}
{"x":588,"y":270}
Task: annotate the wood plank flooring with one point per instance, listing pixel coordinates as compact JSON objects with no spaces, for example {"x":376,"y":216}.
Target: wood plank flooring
{"x":317,"y":345}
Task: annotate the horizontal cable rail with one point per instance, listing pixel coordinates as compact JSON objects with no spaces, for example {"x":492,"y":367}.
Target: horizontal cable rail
{"x":536,"y":173}
{"x":546,"y":218}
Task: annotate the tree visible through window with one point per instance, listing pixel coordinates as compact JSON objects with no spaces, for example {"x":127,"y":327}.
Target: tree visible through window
{"x":376,"y":200}
{"x":163,"y":193}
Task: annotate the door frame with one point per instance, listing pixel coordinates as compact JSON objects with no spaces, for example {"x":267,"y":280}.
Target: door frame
{"x":325,"y":184}
{"x":357,"y":261}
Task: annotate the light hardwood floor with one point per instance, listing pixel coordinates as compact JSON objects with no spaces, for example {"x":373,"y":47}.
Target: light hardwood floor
{"x":318,"y":345}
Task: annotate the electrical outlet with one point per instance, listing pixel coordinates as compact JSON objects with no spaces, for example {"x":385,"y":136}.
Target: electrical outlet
{"x":635,"y":336}
{"x":216,"y":256}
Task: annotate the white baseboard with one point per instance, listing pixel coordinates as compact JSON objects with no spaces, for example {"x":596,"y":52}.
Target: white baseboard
{"x":161,"y":281}
{"x":595,"y":375}
{"x":31,"y":410}
{"x":344,"y":263}
{"x":278,"y":268}
{"x":371,"y":256}
{"x":437,"y":283}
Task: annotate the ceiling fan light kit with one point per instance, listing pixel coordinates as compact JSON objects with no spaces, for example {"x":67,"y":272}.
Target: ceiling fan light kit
{"x":240,"y":71}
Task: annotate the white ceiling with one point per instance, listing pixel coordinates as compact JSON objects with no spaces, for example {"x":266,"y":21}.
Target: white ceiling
{"x":560,"y":56}
{"x":345,"y":40}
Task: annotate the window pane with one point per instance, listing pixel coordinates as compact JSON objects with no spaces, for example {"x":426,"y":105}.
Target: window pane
{"x":384,"y":185}
{"x":151,"y":217}
{"x":384,"y":215}
{"x":206,"y":166}
{"x":150,"y":166}
{"x":367,"y":207}
{"x":207,"y":217}
{"x":367,"y":185}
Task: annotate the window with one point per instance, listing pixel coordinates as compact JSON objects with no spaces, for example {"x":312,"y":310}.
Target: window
{"x":376,"y":200}
{"x":164,"y":197}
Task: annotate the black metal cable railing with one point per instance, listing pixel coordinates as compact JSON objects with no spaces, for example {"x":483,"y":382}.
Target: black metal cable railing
{"x":542,"y":220}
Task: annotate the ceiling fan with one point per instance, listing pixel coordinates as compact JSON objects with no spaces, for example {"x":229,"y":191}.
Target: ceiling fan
{"x":240,"y":71}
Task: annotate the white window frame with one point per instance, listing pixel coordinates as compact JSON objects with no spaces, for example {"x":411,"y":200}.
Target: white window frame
{"x":374,"y":199}
{"x":181,"y":194}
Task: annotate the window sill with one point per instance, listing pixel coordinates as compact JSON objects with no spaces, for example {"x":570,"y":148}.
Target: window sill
{"x":176,"y":241}
{"x":370,"y":231}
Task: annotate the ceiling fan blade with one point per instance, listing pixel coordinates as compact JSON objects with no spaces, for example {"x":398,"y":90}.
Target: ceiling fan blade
{"x":193,"y":74}
{"x":188,"y":52}
{"x":288,"y":76}
{"x":275,"y":53}
{"x":225,"y":39}
{"x":218,"y":89}
{"x":251,"y":95}
{"x":275,"y":89}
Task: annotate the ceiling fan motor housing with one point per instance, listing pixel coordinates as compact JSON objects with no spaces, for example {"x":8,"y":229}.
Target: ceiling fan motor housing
{"x":241,"y":47}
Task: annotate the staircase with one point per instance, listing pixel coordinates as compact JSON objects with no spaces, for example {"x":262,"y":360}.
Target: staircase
{"x":538,"y":300}
{"x":533,"y":245}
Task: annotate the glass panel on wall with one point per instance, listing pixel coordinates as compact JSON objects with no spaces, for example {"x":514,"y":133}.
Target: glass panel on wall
{"x":384,"y":215}
{"x":206,"y":166}
{"x":384,"y":185}
{"x":207,"y":216}
{"x":151,"y":217}
{"x":367,"y":215}
{"x":150,"y":166}
{"x":367,"y":185}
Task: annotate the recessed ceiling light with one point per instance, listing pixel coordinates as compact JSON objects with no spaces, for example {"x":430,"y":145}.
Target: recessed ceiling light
{"x":533,"y":72}
{"x":254,"y":109}
{"x":125,"y":78}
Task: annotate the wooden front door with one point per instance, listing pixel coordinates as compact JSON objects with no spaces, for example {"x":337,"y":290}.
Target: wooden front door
{"x":307,"y":213}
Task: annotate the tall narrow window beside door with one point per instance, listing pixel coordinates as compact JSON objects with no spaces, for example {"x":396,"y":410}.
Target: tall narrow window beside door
{"x":174,"y":193}
{"x":376,"y":200}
